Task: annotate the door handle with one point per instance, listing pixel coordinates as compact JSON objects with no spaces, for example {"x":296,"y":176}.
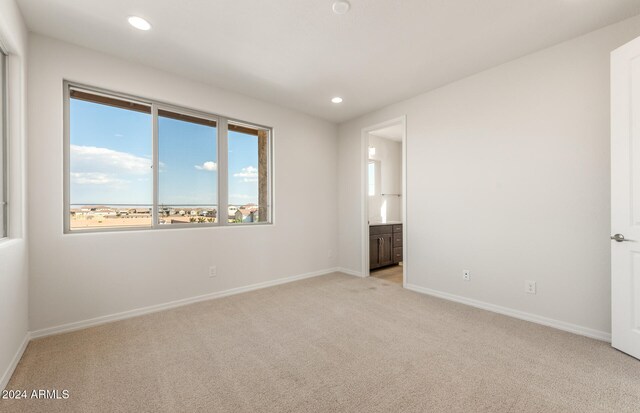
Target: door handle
{"x":619,"y":238}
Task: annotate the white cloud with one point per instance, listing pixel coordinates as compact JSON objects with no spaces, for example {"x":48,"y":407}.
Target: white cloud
{"x":94,"y":178}
{"x":248,"y":174}
{"x":207,"y":166}
{"x":92,"y":159}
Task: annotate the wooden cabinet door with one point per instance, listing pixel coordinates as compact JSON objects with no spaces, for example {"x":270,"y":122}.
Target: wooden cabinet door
{"x":374,"y":251}
{"x":386,"y":250}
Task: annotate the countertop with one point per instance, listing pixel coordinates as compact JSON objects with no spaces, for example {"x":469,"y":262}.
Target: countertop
{"x":375,"y":224}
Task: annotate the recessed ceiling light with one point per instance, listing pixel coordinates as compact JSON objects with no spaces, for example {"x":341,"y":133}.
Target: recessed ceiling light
{"x":337,"y":99}
{"x":341,"y":7}
{"x":139,"y":23}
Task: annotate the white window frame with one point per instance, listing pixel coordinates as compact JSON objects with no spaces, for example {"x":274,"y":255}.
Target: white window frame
{"x":222,"y":154}
{"x":4,"y":146}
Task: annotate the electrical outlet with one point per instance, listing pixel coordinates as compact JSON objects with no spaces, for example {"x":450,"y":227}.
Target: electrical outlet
{"x":530,"y":287}
{"x":466,"y":275}
{"x":213,"y":271}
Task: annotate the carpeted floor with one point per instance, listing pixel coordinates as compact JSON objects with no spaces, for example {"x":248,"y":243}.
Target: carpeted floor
{"x":333,"y":343}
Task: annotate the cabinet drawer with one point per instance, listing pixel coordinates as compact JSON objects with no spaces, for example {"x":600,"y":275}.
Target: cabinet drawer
{"x":380,"y":229}
{"x":397,"y":255}
{"x":397,"y":239}
{"x":397,"y":228}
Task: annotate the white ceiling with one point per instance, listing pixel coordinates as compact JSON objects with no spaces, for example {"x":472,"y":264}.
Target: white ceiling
{"x":298,"y":54}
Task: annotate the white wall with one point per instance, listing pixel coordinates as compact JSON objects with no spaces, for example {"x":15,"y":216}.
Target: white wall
{"x":508,"y":176}
{"x":80,"y":276}
{"x":13,"y":250}
{"x":389,"y":155}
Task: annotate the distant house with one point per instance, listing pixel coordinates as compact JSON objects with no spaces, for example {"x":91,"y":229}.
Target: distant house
{"x":246,"y":215}
{"x":208,"y":213}
{"x":81,"y":213}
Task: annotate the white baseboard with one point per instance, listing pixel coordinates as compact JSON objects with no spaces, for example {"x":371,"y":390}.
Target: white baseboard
{"x":350,"y":272}
{"x":78,"y":325}
{"x":14,"y":362}
{"x":549,"y":322}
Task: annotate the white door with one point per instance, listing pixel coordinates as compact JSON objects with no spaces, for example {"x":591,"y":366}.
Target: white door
{"x":625,"y":198}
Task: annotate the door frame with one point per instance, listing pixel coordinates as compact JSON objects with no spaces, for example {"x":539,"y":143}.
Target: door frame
{"x":364,"y":206}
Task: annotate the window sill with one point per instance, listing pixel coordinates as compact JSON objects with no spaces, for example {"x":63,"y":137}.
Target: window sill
{"x":165,"y":228}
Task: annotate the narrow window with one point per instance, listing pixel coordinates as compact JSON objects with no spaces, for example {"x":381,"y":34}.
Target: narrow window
{"x":188,"y":169}
{"x":3,"y":146}
{"x":249,"y":187}
{"x":372,"y":178}
{"x":110,"y":162}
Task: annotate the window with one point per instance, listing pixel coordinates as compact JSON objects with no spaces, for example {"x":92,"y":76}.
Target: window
{"x":110,"y":162}
{"x":248,"y":171}
{"x":3,"y":146}
{"x":372,"y":175}
{"x":136,"y":163}
{"x":188,"y":169}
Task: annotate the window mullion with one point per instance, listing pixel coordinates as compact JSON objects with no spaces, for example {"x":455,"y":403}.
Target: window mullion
{"x":223,"y":172}
{"x":156,"y":167}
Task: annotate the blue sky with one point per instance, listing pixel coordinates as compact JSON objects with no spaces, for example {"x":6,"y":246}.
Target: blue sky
{"x":111,"y":162}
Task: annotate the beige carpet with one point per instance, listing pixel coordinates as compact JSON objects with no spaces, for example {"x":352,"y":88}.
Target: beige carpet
{"x":334,"y":343}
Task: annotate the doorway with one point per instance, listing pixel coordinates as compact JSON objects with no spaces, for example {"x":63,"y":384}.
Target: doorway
{"x":384,"y":200}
